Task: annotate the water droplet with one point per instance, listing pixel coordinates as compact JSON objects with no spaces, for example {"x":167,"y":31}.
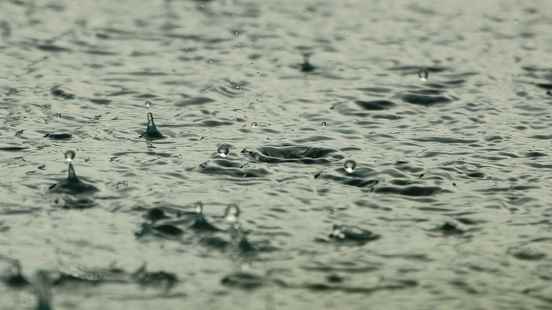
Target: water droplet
{"x":324,"y":124}
{"x":223,"y":150}
{"x":199,"y":208}
{"x":232,"y":213}
{"x":254,"y":124}
{"x":69,"y":156}
{"x":423,"y":75}
{"x":148,"y":104}
{"x":337,"y":232}
{"x":349,"y":166}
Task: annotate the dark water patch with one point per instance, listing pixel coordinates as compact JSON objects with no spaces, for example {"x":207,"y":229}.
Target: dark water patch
{"x":512,"y":188}
{"x":13,"y":148}
{"x":347,"y":234}
{"x":313,"y":139}
{"x":58,"y":91}
{"x":325,"y":287}
{"x":99,"y":52}
{"x":410,"y":190}
{"x":413,"y":70}
{"x":545,"y":86}
{"x":78,"y":202}
{"x":293,"y":153}
{"x":100,"y":101}
{"x":475,"y":174}
{"x":11,"y":273}
{"x":424,"y":100}
{"x":535,"y":154}
{"x":244,"y":280}
{"x":450,"y":228}
{"x":194,"y":101}
{"x":232,"y":169}
{"x":540,"y":166}
{"x":527,"y":252}
{"x":541,"y":137}
{"x":350,"y":181}
{"x":58,"y":136}
{"x":115,"y":156}
{"x":231,"y":89}
{"x":375,"y":104}
{"x":375,"y":90}
{"x":448,"y":140}
{"x":156,"y":279}
{"x":52,"y":48}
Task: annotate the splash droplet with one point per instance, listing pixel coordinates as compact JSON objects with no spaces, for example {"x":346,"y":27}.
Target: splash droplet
{"x":199,"y":208}
{"x":69,"y":156}
{"x":232,"y":213}
{"x":223,"y":150}
{"x":423,"y":75}
{"x":337,"y":232}
{"x":349,"y":166}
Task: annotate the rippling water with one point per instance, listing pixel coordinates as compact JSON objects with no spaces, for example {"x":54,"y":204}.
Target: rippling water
{"x":448,"y":206}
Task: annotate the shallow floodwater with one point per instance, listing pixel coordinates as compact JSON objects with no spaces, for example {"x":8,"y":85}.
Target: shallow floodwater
{"x":449,"y":202}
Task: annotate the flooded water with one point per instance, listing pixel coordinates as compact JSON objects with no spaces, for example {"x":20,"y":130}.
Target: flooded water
{"x":321,"y":154}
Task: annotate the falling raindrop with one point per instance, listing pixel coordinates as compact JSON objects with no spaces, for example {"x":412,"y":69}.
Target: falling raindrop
{"x":223,"y":151}
{"x":423,"y":75}
{"x":69,"y":156}
{"x":199,"y":207}
{"x":232,"y":213}
{"x":349,"y":166}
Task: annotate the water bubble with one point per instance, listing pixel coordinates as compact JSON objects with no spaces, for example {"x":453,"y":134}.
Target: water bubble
{"x":69,"y":156}
{"x":423,"y":75}
{"x":232,"y":213}
{"x":254,"y":124}
{"x":349,"y":166}
{"x":148,"y":104}
{"x":223,"y":151}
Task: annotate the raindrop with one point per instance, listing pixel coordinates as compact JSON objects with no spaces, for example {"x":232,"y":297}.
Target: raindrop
{"x":223,"y":150}
{"x":423,"y":75}
{"x":349,"y":166}
{"x":69,"y":156}
{"x":254,"y":124}
{"x":199,"y":208}
{"x":337,"y":232}
{"x":148,"y":104}
{"x":232,"y":213}
{"x":324,"y":124}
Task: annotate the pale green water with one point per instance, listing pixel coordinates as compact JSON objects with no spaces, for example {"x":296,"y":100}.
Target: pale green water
{"x":468,"y":147}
